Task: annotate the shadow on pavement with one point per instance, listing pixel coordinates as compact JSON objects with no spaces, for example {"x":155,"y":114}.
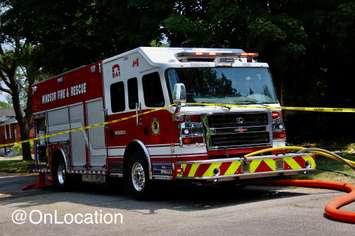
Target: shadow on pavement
{"x":173,"y":196}
{"x":11,"y":185}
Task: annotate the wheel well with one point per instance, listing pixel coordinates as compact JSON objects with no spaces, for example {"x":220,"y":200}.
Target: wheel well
{"x":133,"y":147}
{"x":57,"y":156}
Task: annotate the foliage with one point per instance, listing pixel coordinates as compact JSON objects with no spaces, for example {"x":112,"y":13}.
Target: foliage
{"x":308,"y":44}
{"x":76,"y":32}
{"x":15,"y":166}
{"x":17,"y":75}
{"x":4,"y":104}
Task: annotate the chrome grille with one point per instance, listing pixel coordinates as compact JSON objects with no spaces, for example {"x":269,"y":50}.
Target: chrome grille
{"x":238,"y":129}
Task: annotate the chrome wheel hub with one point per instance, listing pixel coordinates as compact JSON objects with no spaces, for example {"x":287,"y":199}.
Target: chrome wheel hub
{"x":138,"y":176}
{"x":61,"y":174}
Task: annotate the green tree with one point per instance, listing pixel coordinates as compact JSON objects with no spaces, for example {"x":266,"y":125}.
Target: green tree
{"x":17,"y":73}
{"x":4,"y":104}
{"x":71,"y":33}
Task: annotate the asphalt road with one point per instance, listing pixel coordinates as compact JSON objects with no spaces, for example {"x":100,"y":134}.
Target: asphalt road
{"x":174,"y":210}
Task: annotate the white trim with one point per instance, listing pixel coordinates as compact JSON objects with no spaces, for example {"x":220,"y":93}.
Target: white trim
{"x":159,"y":151}
{"x":93,"y":100}
{"x":116,"y":151}
{"x":177,"y":150}
{"x":163,"y":145}
{"x":98,"y":151}
{"x":179,"y":156}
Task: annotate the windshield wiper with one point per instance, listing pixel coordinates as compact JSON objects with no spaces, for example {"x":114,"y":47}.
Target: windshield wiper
{"x":247,"y":102}
{"x":218,"y":104}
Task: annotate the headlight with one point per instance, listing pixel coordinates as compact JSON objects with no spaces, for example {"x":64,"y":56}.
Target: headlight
{"x":191,"y":133}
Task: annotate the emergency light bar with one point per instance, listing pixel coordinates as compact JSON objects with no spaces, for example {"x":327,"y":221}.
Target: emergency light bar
{"x":212,"y":56}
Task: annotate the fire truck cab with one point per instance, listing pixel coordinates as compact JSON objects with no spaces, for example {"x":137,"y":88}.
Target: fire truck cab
{"x":162,"y":114}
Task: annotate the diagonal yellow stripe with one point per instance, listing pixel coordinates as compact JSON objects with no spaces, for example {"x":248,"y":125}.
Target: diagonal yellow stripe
{"x":253,"y":165}
{"x":183,"y":167}
{"x":193,"y":170}
{"x":232,"y":168}
{"x":292,"y":163}
{"x":271,"y":163}
{"x":311,"y":161}
{"x":209,"y":171}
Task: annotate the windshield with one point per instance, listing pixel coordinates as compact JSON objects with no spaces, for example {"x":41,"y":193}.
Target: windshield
{"x":232,"y":85}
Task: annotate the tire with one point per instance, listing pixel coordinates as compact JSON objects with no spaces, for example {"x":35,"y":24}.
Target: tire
{"x":136,"y":177}
{"x":59,"y":175}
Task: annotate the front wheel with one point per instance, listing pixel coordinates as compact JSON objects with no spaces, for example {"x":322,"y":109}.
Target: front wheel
{"x":137,"y":180}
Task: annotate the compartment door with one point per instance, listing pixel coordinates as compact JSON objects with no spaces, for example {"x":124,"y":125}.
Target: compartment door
{"x":97,"y":147}
{"x":77,"y":139}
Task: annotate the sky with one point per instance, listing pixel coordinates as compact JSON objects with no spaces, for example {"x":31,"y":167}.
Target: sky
{"x":2,"y":94}
{"x":3,"y":98}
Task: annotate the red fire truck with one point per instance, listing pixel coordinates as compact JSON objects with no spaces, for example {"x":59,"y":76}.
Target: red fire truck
{"x":170,"y":113}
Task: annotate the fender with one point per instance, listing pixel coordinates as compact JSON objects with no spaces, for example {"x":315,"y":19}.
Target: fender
{"x":146,"y":154}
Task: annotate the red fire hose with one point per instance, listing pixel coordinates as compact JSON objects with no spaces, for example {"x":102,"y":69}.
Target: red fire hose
{"x":332,"y":209}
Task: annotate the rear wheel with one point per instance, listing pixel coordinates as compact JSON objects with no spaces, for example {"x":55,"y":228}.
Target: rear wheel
{"x":59,"y":174}
{"x":137,"y":182}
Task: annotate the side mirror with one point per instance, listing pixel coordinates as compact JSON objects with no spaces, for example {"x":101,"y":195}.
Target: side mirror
{"x":179,"y":93}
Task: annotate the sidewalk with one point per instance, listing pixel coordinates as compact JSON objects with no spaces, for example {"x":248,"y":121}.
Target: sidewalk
{"x":2,"y":158}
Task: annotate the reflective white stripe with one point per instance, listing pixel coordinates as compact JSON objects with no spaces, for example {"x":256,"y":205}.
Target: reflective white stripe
{"x":98,"y":152}
{"x":165,"y":150}
{"x":181,"y":155}
{"x":177,"y":150}
{"x":116,"y":151}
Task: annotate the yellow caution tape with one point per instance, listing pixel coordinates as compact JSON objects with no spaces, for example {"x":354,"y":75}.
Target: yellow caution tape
{"x":100,"y":124}
{"x":319,"y":109}
{"x":92,"y":126}
{"x":286,"y":108}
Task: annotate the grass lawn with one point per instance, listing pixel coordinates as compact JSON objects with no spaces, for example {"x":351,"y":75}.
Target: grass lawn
{"x":15,"y":166}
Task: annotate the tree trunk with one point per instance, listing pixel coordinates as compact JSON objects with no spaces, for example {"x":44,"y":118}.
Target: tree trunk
{"x":21,"y":120}
{"x":26,"y":147}
{"x":26,"y":152}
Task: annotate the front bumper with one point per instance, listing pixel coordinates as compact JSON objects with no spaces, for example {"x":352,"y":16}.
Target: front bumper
{"x":245,"y":168}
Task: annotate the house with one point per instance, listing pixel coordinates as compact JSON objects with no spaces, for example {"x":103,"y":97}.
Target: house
{"x":9,"y":129}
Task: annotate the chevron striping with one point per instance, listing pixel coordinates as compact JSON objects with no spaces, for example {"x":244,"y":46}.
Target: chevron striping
{"x":209,"y":171}
{"x":254,"y":165}
{"x":232,"y":168}
{"x":271,"y":163}
{"x":193,"y":170}
{"x":292,"y":163}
